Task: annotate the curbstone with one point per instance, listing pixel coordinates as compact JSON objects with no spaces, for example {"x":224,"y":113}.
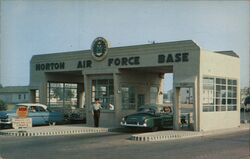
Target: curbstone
{"x":53,"y":131}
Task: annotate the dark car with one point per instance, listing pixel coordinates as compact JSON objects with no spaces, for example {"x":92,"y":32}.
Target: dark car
{"x":39,"y":113}
{"x":150,"y":117}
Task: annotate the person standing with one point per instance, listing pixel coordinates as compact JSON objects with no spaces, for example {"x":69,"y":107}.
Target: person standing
{"x":247,"y":103}
{"x":96,"y":111}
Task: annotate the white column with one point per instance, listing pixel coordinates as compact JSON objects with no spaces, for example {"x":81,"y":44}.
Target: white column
{"x":87,"y":90}
{"x":117,"y":98}
{"x":176,"y":108}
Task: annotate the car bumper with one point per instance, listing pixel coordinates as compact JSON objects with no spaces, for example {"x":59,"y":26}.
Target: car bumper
{"x":5,"y":122}
{"x":134,"y":125}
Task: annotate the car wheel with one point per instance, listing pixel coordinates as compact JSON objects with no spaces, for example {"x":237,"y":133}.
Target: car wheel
{"x":52,"y":123}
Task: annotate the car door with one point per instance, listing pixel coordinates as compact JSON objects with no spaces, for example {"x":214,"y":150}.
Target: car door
{"x":38,"y":114}
{"x":167,"y":120}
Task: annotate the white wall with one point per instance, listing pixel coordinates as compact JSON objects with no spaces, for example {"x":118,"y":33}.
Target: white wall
{"x":218,"y":65}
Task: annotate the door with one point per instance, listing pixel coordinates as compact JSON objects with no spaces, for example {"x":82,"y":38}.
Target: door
{"x":167,"y":120}
{"x":39,"y":115}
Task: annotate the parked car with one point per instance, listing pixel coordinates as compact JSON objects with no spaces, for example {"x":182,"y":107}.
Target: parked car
{"x":39,"y":113}
{"x":150,"y":117}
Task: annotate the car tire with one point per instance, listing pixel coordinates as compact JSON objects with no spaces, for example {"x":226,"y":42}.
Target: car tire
{"x":52,"y":123}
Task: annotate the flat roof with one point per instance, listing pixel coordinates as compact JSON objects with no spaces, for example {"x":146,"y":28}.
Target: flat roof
{"x":174,"y":45}
{"x":229,"y":53}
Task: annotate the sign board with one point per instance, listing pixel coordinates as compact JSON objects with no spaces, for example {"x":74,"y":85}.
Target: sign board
{"x":22,"y":112}
{"x":21,"y":123}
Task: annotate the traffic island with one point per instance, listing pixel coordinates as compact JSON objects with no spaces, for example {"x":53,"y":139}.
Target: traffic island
{"x":173,"y":135}
{"x":52,"y":131}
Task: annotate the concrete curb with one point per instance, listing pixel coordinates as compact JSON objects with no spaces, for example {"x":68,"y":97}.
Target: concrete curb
{"x":165,"y":135}
{"x":173,"y":135}
{"x":53,"y":131}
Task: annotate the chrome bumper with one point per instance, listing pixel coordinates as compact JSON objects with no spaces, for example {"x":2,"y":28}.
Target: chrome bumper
{"x":5,"y":121}
{"x":134,"y":125}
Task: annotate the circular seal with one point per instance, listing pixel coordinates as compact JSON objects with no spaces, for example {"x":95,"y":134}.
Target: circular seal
{"x":22,"y":112}
{"x":99,"y":48}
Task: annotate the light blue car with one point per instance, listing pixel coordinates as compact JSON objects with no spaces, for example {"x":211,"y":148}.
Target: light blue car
{"x":39,"y":113}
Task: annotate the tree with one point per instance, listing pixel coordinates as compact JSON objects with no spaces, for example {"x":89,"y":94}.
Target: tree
{"x":57,"y":93}
{"x":2,"y":105}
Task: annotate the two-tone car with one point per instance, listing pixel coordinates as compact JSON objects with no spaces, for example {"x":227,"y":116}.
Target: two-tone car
{"x":150,"y":117}
{"x":39,"y":113}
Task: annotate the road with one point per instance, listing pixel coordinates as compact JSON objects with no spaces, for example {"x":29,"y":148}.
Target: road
{"x":118,"y":146}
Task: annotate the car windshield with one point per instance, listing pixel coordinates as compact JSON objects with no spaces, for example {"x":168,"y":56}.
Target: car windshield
{"x":17,"y":106}
{"x":154,"y":108}
{"x":149,"y":108}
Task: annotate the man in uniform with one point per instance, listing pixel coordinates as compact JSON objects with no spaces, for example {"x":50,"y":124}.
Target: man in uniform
{"x":96,"y":111}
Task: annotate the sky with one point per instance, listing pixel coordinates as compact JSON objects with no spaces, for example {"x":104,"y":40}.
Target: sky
{"x":29,"y":28}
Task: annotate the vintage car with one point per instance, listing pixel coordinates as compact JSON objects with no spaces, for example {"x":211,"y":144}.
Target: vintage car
{"x":150,"y":117}
{"x":39,"y":113}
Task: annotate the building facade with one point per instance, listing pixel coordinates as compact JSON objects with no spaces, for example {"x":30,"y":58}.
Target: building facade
{"x":125,"y":78}
{"x":15,"y":94}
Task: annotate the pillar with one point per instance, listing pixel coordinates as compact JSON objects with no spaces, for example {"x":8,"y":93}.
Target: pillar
{"x":176,"y":108}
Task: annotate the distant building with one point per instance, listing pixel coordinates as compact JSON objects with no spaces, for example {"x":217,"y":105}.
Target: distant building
{"x":15,"y":94}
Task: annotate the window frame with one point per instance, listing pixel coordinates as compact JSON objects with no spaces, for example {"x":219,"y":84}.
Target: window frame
{"x":224,"y":94}
{"x":129,"y":96}
{"x":104,"y":90}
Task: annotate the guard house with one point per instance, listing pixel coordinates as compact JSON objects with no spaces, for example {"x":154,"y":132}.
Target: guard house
{"x":126,"y":77}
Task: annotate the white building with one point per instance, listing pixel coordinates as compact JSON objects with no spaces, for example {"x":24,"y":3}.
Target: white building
{"x":128,"y":77}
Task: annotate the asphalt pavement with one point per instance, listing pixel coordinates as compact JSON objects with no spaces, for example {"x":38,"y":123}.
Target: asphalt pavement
{"x":55,"y":130}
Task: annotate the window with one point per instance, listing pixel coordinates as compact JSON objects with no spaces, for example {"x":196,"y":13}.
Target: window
{"x":62,"y":94}
{"x":128,"y":97}
{"x":104,"y":90}
{"x":37,"y":96}
{"x":19,"y":96}
{"x":219,"y":94}
{"x":208,"y":94}
{"x":232,"y":95}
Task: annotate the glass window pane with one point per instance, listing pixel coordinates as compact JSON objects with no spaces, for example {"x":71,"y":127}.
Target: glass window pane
{"x":104,"y":90}
{"x":223,"y":81}
{"x":208,"y":94}
{"x":232,"y":108}
{"x":128,"y":97}
{"x":62,"y":95}
{"x":225,"y":94}
{"x":234,"y":82}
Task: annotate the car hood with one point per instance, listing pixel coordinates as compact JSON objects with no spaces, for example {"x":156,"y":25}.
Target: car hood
{"x":4,"y":114}
{"x":139,"y":117}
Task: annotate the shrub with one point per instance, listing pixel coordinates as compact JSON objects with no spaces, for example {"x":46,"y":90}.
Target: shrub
{"x":2,"y":105}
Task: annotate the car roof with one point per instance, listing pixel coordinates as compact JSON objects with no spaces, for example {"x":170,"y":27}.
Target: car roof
{"x":33,"y":104}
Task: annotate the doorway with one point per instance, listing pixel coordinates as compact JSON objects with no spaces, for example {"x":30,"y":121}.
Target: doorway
{"x":186,"y":108}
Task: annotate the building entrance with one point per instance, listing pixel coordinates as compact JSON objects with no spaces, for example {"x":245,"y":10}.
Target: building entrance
{"x":184,"y":108}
